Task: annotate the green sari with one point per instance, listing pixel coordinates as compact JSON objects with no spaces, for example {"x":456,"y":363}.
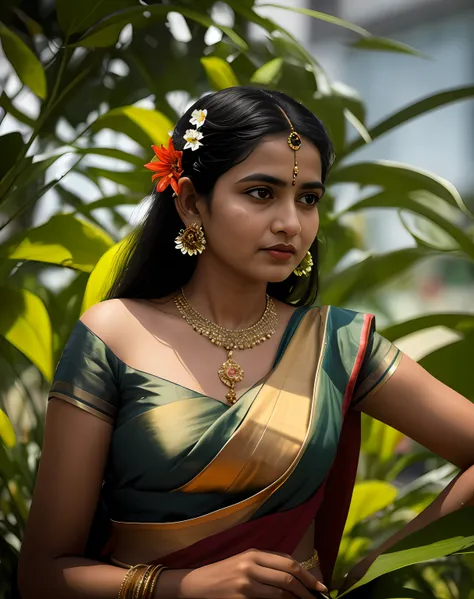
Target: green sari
{"x":191,"y":480}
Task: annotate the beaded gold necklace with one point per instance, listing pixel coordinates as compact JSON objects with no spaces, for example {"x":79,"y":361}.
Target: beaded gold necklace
{"x":230,"y":372}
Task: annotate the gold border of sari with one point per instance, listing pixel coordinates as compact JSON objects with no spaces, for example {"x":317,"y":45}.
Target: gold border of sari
{"x":380,"y":376}
{"x":294,"y":382}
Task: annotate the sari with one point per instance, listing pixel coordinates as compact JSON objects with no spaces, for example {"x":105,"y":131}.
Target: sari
{"x":195,"y":481}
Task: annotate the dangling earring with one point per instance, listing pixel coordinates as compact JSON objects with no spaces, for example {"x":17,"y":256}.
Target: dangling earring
{"x":304,"y":267}
{"x":191,"y":240}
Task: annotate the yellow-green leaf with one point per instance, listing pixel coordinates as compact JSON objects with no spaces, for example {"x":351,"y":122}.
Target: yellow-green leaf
{"x":379,"y":439}
{"x":219,"y":72}
{"x":7,"y":434}
{"x":145,"y":126}
{"x":25,"y":323}
{"x":368,"y":498}
{"x":28,"y":68}
{"x":102,"y":276}
{"x":268,"y":73}
{"x":64,"y":240}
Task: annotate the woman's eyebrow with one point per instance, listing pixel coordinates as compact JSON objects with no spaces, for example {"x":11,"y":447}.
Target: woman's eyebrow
{"x":279,"y":182}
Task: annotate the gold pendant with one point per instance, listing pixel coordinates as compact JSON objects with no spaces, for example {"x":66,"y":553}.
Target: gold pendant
{"x":230,"y":373}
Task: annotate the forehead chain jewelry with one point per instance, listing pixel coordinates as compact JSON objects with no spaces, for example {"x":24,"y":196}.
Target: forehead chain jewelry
{"x":294,"y":141}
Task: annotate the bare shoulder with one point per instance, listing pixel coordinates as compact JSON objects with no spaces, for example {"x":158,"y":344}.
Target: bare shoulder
{"x":102,"y":317}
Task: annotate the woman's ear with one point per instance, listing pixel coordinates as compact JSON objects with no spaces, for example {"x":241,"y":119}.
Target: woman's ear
{"x":185,"y":202}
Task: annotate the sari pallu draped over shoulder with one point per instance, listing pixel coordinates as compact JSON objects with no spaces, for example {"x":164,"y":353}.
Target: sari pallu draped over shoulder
{"x":291,"y":459}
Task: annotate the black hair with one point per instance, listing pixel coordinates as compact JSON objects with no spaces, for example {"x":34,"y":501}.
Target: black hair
{"x":237,"y":120}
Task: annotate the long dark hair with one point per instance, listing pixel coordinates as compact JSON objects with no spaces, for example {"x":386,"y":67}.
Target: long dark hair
{"x":237,"y":120}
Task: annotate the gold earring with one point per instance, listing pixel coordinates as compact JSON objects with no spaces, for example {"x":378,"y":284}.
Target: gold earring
{"x":191,"y":241}
{"x":304,"y":267}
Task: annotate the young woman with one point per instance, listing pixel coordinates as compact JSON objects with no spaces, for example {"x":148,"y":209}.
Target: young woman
{"x":205,"y":418}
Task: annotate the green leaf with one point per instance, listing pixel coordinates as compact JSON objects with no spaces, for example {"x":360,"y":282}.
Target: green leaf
{"x":27,"y":66}
{"x":445,"y":536}
{"x":397,"y":177}
{"x":412,"y":203}
{"x":11,"y":146}
{"x":137,"y":181}
{"x":24,"y":322}
{"x":268,"y":73}
{"x":369,"y":274}
{"x":145,"y":126}
{"x":113,"y":153}
{"x":382,"y":44}
{"x":64,"y":240}
{"x":219,"y":72}
{"x":7,"y":434}
{"x":101,"y":278}
{"x":75,"y":17}
{"x":460,"y":322}
{"x":415,"y":110}
{"x":379,"y":439}
{"x":452,"y":365}
{"x":8,"y":107}
{"x":119,"y":199}
{"x":106,"y":32}
{"x":368,"y":498}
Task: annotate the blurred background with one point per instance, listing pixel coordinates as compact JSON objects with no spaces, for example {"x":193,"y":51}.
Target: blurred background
{"x":87,"y":87}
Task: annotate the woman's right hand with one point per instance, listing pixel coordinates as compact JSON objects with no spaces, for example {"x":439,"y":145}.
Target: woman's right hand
{"x":253,"y":573}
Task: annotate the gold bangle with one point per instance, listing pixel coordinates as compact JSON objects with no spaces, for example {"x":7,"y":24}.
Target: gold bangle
{"x":150,"y":574}
{"x":133,"y":580}
{"x":311,"y":562}
{"x":156,"y":575}
{"x":123,"y":592}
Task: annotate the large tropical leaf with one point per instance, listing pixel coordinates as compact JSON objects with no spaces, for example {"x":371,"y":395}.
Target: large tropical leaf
{"x":103,"y":274}
{"x":64,"y":240}
{"x":368,"y":498}
{"x":219,"y":72}
{"x":397,"y":177}
{"x":459,"y":322}
{"x":25,"y":323}
{"x":448,"y":535}
{"x":7,"y":434}
{"x":27,"y":66}
{"x":106,"y":32}
{"x":75,"y":17}
{"x":452,"y":365}
{"x":413,"y":111}
{"x":145,"y":126}
{"x":379,"y":439}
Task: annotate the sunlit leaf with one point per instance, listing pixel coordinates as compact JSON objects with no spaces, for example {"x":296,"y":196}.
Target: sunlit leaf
{"x":25,"y":323}
{"x":368,"y":498}
{"x":27,"y":66}
{"x":102,"y":276}
{"x":7,"y":434}
{"x":379,"y":439}
{"x":145,"y":126}
{"x":64,"y":240}
{"x":219,"y":72}
{"x":113,"y":153}
{"x":268,"y":73}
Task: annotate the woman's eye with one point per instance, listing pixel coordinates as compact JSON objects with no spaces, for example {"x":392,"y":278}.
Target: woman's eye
{"x":310,"y":199}
{"x":261,"y":193}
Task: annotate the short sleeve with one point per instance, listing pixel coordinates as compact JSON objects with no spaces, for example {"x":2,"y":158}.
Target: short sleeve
{"x":381,"y":360}
{"x":87,"y":374}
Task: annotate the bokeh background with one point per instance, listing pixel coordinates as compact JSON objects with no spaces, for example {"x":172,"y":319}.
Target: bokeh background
{"x":87,"y":87}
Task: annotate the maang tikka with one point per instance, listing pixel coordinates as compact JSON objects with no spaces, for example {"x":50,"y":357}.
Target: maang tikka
{"x":294,"y":141}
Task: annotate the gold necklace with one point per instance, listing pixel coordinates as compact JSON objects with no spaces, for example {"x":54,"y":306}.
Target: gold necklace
{"x":230,"y":372}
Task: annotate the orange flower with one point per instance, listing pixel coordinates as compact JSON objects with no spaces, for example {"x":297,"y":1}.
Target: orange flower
{"x":168,"y":168}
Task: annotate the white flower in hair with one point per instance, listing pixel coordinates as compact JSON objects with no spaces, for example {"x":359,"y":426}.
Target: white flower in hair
{"x":192,"y":137}
{"x":198,"y":117}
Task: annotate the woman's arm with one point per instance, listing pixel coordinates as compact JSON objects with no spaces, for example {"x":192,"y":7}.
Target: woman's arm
{"x":64,"y":501}
{"x":437,"y":417}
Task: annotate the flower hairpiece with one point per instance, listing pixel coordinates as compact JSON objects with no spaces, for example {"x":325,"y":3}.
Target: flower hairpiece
{"x":169,"y":167}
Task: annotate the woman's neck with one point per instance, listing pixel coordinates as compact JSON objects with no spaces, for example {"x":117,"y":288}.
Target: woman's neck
{"x":225,"y":299}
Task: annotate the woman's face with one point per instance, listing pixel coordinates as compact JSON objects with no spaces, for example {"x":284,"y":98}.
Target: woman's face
{"x":255,"y":207}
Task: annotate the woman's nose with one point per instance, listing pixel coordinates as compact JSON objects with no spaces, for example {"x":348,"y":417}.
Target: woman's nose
{"x":287,"y":220}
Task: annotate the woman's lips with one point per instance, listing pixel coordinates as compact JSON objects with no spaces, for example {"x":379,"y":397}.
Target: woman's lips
{"x":280,"y":254}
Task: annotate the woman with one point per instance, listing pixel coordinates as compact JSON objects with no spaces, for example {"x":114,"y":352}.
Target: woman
{"x":227,"y":457}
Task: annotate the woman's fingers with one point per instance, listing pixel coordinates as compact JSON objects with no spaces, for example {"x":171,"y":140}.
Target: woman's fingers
{"x":284,"y":580}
